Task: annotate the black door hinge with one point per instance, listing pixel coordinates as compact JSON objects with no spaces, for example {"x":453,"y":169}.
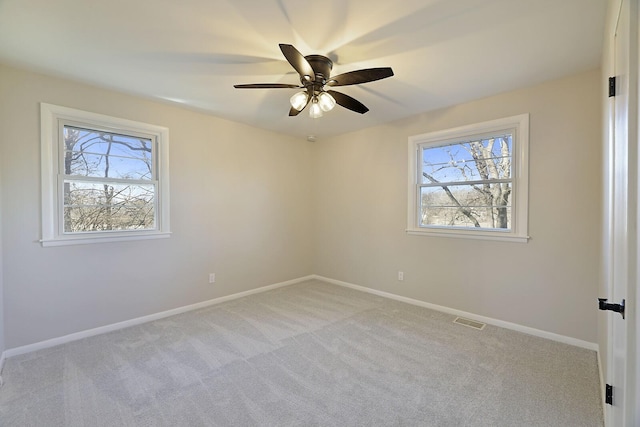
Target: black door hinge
{"x":604,"y":305}
{"x":612,"y":86}
{"x":608,"y":395}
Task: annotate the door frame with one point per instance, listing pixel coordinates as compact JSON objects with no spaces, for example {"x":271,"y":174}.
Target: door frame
{"x":629,"y":407}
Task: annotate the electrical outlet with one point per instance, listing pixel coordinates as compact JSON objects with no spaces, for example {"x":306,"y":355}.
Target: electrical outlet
{"x":401,"y":275}
{"x":212,"y":277}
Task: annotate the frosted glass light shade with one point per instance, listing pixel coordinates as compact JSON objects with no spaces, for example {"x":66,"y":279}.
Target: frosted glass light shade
{"x":299,"y":100}
{"x":315,"y":111}
{"x":326,"y":101}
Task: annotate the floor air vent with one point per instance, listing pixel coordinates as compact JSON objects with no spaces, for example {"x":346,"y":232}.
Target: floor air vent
{"x":470,"y":323}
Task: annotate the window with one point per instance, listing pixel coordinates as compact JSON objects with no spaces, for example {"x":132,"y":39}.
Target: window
{"x":103,"y":178}
{"x":471,"y":181}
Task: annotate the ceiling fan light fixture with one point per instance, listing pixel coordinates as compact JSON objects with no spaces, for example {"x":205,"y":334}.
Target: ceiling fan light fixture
{"x":315,"y":74}
{"x":299,"y":100}
{"x":326,"y":101}
{"x":315,"y":111}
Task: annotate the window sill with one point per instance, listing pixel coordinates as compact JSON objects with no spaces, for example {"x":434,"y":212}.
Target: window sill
{"x":473,"y":235}
{"x":85,"y":240}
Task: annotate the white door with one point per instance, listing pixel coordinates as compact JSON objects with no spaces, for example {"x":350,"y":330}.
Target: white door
{"x":623,"y":206}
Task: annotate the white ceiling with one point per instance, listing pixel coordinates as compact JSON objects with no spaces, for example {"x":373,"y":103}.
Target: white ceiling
{"x":192,"y":52}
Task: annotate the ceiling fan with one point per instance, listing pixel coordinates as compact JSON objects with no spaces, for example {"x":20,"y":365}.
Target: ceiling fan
{"x":315,"y":74}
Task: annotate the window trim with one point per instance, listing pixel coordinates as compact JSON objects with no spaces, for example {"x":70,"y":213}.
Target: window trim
{"x":520,"y":176}
{"x":52,"y":117}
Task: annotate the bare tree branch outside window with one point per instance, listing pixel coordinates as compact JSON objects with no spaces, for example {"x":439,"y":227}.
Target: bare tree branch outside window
{"x":467,"y":184}
{"x":108,"y":181}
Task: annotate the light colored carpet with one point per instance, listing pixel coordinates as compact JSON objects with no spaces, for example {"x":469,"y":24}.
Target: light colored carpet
{"x":311,"y":354}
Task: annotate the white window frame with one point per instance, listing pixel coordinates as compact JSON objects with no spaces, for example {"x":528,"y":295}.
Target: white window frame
{"x":52,"y":119}
{"x":519,"y":126}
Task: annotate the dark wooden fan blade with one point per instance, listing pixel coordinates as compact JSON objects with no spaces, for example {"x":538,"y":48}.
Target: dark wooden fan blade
{"x":297,"y":61}
{"x":266,"y":86}
{"x":348,"y":102}
{"x":294,"y":112}
{"x":360,"y":76}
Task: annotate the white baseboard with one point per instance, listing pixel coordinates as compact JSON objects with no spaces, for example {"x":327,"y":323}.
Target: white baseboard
{"x":144,"y":319}
{"x":496,"y":322}
{"x":139,"y":320}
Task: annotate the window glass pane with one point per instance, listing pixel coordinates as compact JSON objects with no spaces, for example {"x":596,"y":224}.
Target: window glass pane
{"x":484,"y":159}
{"x":476,"y":206}
{"x":91,"y":206}
{"x":104,"y":154}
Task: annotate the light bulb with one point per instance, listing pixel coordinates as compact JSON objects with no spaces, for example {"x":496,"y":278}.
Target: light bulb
{"x":299,"y":100}
{"x":315,"y":111}
{"x":326,"y":101}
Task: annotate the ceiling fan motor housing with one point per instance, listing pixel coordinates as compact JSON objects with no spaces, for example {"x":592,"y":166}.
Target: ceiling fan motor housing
{"x":322,"y":68}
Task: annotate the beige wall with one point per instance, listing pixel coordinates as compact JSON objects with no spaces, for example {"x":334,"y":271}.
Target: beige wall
{"x":240,"y":208}
{"x":549,"y":283}
{"x":258,"y":208}
{"x":2,"y":342}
